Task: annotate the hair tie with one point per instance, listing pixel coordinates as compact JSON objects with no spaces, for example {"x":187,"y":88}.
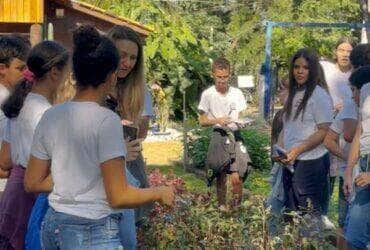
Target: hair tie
{"x":29,"y":76}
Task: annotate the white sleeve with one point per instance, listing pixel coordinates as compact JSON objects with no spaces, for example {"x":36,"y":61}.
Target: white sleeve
{"x":204,"y":103}
{"x":365,"y":100}
{"x":39,"y":148}
{"x":110,"y":139}
{"x":323,"y":107}
{"x":3,"y":123}
{"x":349,"y":110}
{"x":6,"y":136}
{"x":148,"y":104}
{"x":241,"y":102}
{"x":337,"y":125}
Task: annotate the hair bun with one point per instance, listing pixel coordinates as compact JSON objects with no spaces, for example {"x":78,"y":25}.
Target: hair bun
{"x":86,"y":38}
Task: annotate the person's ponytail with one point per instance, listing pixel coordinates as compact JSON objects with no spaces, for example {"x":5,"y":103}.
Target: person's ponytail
{"x":42,"y":58}
{"x":13,"y":105}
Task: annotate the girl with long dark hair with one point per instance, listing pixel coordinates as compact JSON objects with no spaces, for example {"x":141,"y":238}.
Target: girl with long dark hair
{"x":308,"y":113}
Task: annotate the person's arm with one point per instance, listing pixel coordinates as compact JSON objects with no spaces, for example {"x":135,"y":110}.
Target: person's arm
{"x":122,"y":195}
{"x":133,"y":149}
{"x":349,"y":129}
{"x":310,"y":143}
{"x":205,"y":121}
{"x":143,"y":127}
{"x":5,"y":158}
{"x":331,"y":142}
{"x":354,"y":154}
{"x":37,"y":178}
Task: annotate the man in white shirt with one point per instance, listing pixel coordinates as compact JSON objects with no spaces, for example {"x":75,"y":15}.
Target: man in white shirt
{"x":220,"y":106}
{"x":337,"y":74}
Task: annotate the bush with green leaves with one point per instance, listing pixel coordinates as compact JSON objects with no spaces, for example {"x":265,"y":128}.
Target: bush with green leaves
{"x":195,"y":222}
{"x":188,"y":34}
{"x":256,"y":141}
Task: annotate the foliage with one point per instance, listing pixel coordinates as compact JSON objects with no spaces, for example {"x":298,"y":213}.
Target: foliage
{"x":256,"y":141}
{"x":161,"y":107}
{"x":187,"y":34}
{"x":196,"y":222}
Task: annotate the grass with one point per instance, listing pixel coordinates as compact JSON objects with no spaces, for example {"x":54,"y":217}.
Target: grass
{"x":167,"y":157}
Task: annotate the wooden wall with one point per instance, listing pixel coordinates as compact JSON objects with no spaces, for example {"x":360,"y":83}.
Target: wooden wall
{"x":22,"y":11}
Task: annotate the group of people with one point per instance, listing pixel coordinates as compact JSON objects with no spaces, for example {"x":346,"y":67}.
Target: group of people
{"x":322,"y":134}
{"x":73,"y":181}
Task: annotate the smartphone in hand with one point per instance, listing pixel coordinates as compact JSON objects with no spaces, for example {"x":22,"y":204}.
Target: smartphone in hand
{"x":130,"y":132}
{"x":282,"y":153}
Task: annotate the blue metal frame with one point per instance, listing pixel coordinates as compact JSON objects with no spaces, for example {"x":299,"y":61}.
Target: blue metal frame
{"x":267,"y":64}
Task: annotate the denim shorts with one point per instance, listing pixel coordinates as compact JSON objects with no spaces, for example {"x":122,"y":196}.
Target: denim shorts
{"x":357,"y":231}
{"x":127,"y":226}
{"x":67,"y":232}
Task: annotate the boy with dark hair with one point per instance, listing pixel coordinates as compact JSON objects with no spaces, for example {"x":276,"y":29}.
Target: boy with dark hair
{"x":360,"y":55}
{"x":220,"y":106}
{"x":13,"y":53}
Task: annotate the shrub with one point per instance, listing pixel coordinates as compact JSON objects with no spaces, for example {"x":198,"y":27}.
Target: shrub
{"x":256,"y":141}
{"x":195,"y":222}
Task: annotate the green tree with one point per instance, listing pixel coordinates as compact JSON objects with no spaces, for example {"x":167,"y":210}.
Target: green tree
{"x":187,"y":34}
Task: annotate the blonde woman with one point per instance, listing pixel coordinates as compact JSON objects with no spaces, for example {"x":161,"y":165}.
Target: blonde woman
{"x":133,"y":102}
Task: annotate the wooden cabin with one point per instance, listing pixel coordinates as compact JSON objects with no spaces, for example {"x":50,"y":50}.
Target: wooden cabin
{"x":40,"y":19}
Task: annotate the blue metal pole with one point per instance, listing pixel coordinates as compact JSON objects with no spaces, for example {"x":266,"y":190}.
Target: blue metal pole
{"x":324,"y":25}
{"x":267,"y":69}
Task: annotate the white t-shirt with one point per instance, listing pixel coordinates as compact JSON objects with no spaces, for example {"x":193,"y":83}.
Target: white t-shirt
{"x":349,"y":111}
{"x":217,"y":105}
{"x":365,"y":119}
{"x":148,"y":104}
{"x":78,"y":137}
{"x":337,"y":81}
{"x":4,"y":94}
{"x":319,"y":110}
{"x":20,"y":130}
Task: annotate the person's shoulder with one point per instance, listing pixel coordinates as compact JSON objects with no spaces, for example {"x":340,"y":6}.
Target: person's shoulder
{"x":209,"y":91}
{"x":327,"y":65}
{"x":38,"y":102}
{"x":54,"y":110}
{"x":105,"y":114}
{"x":236,"y":90}
{"x":320,"y":92}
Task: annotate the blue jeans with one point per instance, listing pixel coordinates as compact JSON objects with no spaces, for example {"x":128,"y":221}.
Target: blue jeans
{"x":357,"y":230}
{"x":67,"y":232}
{"x":127,"y":228}
{"x":32,"y":239}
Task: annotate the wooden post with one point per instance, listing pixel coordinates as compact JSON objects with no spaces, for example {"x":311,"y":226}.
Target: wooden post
{"x":35,"y":34}
{"x":50,"y":32}
{"x":185,"y":132}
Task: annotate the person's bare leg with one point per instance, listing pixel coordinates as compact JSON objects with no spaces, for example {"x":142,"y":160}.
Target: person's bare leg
{"x":341,"y":242}
{"x":237,"y":187}
{"x":221,"y":189}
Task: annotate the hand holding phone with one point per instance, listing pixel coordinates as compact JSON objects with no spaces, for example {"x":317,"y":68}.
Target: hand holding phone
{"x":282,"y":153}
{"x":130,"y":132}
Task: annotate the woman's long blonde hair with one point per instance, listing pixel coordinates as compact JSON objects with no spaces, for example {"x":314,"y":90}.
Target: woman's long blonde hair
{"x":131,"y":89}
